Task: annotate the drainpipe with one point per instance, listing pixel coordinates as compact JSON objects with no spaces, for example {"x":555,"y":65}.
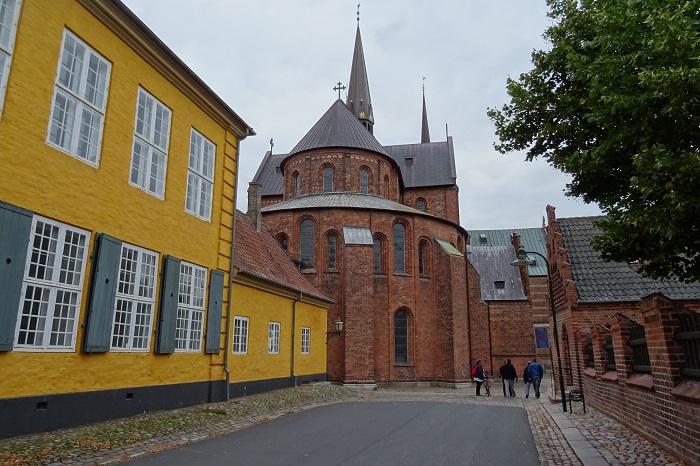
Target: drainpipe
{"x":294,"y":332}
{"x":231,"y":268}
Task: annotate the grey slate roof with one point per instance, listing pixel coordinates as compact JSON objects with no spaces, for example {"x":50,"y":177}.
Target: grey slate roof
{"x":447,"y":247}
{"x":492,"y":263}
{"x":343,"y":200}
{"x":268,"y":175}
{"x":432,"y":164}
{"x":599,"y":281}
{"x":338,"y":127}
{"x":359,"y":101}
{"x":532,"y":239}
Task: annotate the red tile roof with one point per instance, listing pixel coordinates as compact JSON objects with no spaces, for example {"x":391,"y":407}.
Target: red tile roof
{"x":258,"y":253}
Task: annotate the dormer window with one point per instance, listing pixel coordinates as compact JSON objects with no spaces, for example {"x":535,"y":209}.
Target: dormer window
{"x":482,"y":238}
{"x":500,"y":286}
{"x":409,"y":160}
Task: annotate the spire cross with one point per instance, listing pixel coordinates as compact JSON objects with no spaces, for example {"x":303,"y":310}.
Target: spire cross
{"x":339,"y":87}
{"x":423,"y":84}
{"x":358,"y":13}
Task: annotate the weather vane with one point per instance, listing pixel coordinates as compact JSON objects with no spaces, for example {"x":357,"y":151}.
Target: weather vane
{"x":339,"y":87}
{"x":423,"y":84}
{"x":358,"y":13}
{"x":272,"y":144}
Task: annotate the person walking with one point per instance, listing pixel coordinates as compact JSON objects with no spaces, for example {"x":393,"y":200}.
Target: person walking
{"x":509,"y":375}
{"x":535,"y":371}
{"x":527,"y":379}
{"x":503,"y":379}
{"x":479,"y":377}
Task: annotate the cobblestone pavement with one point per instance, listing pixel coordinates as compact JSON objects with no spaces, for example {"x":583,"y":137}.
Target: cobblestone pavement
{"x":120,"y":440}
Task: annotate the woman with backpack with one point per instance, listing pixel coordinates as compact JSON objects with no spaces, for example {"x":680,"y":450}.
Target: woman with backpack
{"x":478,"y":375}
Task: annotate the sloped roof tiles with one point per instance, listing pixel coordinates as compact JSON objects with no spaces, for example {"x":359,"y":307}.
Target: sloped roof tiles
{"x":492,"y":263}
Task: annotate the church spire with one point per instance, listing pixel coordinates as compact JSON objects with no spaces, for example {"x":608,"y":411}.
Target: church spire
{"x":359,"y":101}
{"x":425,"y":132}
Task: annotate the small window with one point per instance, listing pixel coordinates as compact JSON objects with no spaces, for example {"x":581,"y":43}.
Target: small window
{"x":364,"y":181}
{"x":408,"y":160}
{"x":284,"y":242}
{"x":306,"y":235}
{"x":386,"y":186}
{"x":378,"y":262}
{"x":200,"y":176}
{"x":273,"y":340}
{"x":401,"y":337}
{"x":420,"y":205}
{"x":399,"y":248}
{"x":297,"y":185}
{"x":482,"y":238}
{"x":421,"y":258}
{"x":332,"y":242}
{"x":305,"y":340}
{"x":500,"y":286}
{"x":240,"y":335}
{"x":190,"y":308}
{"x":327,"y":180}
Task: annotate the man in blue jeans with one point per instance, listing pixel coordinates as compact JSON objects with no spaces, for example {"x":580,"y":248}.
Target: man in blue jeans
{"x":535,"y":371}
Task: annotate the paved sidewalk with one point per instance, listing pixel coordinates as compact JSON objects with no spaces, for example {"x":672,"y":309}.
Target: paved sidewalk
{"x":561,"y":438}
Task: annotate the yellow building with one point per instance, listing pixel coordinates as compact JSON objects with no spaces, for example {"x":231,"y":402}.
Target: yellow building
{"x":117,"y":199}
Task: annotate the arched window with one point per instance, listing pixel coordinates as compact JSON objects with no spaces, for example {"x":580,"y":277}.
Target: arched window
{"x":332,"y":243}
{"x":386,"y":186}
{"x":378,"y":256}
{"x":401,"y":337}
{"x":306,"y":244}
{"x":422,"y":252}
{"x":283,"y":241}
{"x":420,"y":205}
{"x":364,"y":181}
{"x":327,"y":180}
{"x":297,"y":185}
{"x":399,"y":248}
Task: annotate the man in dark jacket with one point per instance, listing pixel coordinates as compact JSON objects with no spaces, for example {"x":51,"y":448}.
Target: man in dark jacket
{"x":509,"y":375}
{"x":536,"y":371}
{"x":527,"y":379}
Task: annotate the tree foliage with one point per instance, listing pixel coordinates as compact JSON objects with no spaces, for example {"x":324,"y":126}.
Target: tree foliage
{"x":614,"y":103}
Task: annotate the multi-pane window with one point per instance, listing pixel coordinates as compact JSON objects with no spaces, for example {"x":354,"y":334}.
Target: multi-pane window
{"x":52,"y":286}
{"x":332,"y":243}
{"x":297,"y":185}
{"x":399,"y":248}
{"x":327,"y":180}
{"x":79,"y":100}
{"x":305,"y":340}
{"x":149,"y":158}
{"x":306,"y":236}
{"x":273,"y":338}
{"x":401,"y":337}
{"x":136,"y":291}
{"x":240,"y":335}
{"x":364,"y":181}
{"x":200,"y":177}
{"x":378,"y":263}
{"x":190,"y":308}
{"x":9,"y":12}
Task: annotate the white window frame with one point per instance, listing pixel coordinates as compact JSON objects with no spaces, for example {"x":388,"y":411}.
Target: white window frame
{"x":44,"y":272}
{"x":134,"y":305}
{"x":240,"y":335}
{"x":273,"y":338}
{"x":189,"y":326}
{"x":149,"y":151}
{"x":73,"y":134}
{"x":7,"y":49}
{"x":305,"y":340}
{"x":200,"y":176}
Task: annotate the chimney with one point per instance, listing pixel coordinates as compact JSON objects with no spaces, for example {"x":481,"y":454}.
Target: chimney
{"x":254,"y":201}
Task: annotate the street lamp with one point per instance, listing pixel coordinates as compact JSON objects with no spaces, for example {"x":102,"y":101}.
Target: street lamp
{"x":338,"y":329}
{"x":521,"y":261}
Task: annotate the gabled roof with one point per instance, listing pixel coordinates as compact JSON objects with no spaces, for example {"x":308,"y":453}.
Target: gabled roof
{"x":532,"y":239}
{"x":258,"y":254}
{"x":492,"y":263}
{"x":338,"y":127}
{"x":430,"y":164}
{"x":600,"y":281}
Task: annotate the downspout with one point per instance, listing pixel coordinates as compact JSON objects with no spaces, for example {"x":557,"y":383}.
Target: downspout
{"x":294,"y":332}
{"x":231,"y":269}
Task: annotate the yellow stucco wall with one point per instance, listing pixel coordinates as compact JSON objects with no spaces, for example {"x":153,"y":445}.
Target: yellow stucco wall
{"x":261,"y":308}
{"x":53,"y":184}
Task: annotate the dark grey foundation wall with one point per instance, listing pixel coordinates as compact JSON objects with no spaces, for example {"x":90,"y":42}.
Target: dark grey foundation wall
{"x":33,"y":414}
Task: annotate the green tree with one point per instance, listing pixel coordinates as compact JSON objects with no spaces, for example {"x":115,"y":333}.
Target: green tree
{"x":614,"y":103}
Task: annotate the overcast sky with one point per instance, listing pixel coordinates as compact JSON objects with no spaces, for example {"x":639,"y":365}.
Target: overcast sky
{"x":275,"y":62}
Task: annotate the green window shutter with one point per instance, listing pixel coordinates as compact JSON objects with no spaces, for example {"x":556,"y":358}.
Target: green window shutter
{"x":216,"y":294}
{"x":167,"y":315}
{"x":103,"y":293}
{"x":15,"y":228}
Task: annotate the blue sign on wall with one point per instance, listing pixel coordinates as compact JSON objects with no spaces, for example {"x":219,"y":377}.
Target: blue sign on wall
{"x":541,"y":337}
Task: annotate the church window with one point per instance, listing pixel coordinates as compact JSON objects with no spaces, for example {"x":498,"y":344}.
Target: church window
{"x":386,"y":186}
{"x":364,"y":181}
{"x":420,"y":205}
{"x":332,"y":242}
{"x":399,"y":248}
{"x":283,"y":241}
{"x":200,"y":176}
{"x":79,"y":98}
{"x":149,"y":157}
{"x":297,"y":185}
{"x":378,"y":256}
{"x":306,"y":246}
{"x":9,"y":12}
{"x":327,"y":180}
{"x":401,"y":337}
{"x":422,"y":258}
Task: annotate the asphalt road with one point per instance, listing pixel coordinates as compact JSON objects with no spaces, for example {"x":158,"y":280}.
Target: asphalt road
{"x":371,"y":433}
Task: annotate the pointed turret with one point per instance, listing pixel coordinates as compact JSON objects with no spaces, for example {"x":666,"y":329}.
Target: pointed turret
{"x":359,"y":101}
{"x":425,"y":132}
